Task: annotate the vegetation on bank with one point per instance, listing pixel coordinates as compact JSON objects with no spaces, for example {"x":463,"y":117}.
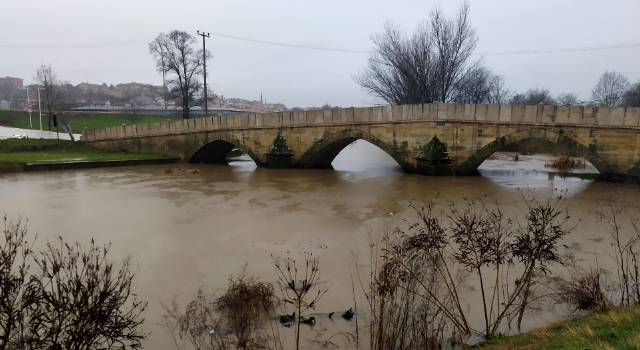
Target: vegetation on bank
{"x":80,"y":120}
{"x":617,"y":328}
{"x":49,"y":150}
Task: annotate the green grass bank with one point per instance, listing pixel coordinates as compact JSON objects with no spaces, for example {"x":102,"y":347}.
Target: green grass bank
{"x":612,"y":329}
{"x":15,"y":154}
{"x":79,"y":120}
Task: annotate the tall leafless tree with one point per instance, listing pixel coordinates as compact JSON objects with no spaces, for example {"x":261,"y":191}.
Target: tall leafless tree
{"x":610,"y":89}
{"x":428,"y":66}
{"x":176,"y":56}
{"x":52,"y":89}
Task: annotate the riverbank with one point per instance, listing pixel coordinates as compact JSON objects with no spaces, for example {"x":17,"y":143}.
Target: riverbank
{"x":17,"y":155}
{"x":612,"y":329}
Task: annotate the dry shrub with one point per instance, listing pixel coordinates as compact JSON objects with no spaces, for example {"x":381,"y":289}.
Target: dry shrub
{"x":583,"y":290}
{"x":227,"y":322}
{"x":241,"y":306}
{"x":516,"y":158}
{"x":565,"y":162}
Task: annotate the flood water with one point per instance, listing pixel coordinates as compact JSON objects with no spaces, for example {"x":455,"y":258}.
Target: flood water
{"x":187,"y":231}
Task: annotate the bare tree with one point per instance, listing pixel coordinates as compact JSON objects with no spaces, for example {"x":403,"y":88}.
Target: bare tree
{"x":499,"y":94}
{"x":132,"y":108}
{"x":480,"y":85}
{"x":533,"y":97}
{"x":88,"y":303}
{"x":632,"y":96}
{"x":567,"y":99}
{"x":429,"y":66}
{"x":176,"y":56}
{"x":610,"y":89}
{"x":52,"y":88}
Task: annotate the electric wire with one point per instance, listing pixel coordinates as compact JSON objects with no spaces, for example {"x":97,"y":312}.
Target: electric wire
{"x":312,"y":47}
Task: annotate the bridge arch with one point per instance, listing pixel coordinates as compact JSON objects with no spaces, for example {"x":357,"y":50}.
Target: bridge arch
{"x":473,"y":162}
{"x":323,"y":152}
{"x":215,"y":147}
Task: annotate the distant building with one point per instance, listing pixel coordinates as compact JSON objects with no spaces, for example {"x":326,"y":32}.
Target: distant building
{"x":143,"y":101}
{"x":86,"y":87}
{"x":139,"y":88}
{"x":16,"y":82}
{"x":81,"y":102}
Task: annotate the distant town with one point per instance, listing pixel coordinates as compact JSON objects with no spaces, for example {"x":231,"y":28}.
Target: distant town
{"x":15,"y":95}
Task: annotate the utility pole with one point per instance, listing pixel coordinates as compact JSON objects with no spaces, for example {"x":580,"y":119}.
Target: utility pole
{"x":164,"y":85}
{"x":39,"y":108}
{"x":204,"y":60}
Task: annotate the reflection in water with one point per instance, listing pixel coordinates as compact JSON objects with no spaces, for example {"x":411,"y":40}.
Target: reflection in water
{"x":192,"y":230}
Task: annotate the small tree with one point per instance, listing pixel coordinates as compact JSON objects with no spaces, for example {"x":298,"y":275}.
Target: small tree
{"x":610,"y":89}
{"x":52,"y":89}
{"x":88,"y":303}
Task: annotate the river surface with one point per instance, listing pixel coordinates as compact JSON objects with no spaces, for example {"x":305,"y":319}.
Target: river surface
{"x":187,"y":231}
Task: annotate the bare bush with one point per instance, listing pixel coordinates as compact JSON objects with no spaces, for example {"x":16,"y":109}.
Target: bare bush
{"x":227,"y":322}
{"x":19,"y":295}
{"x":88,"y":303}
{"x":76,"y":299}
{"x":241,"y":306}
{"x":584,"y":290}
{"x":621,"y":223}
{"x":422,"y":273}
{"x":564,"y":161}
{"x":400,"y":318}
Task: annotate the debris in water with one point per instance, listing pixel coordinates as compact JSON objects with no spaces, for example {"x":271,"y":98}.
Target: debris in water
{"x":310,"y":321}
{"x":180,"y":170}
{"x":348,"y":315}
{"x":285,"y":319}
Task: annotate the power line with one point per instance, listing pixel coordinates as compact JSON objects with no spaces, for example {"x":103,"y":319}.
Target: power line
{"x":574,"y":49}
{"x":78,"y":46}
{"x":291,"y":45}
{"x":318,"y":48}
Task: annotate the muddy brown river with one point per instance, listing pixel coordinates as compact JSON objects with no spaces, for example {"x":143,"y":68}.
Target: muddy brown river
{"x":187,"y":231}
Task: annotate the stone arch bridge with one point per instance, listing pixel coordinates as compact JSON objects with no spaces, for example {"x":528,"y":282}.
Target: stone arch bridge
{"x":431,"y":139}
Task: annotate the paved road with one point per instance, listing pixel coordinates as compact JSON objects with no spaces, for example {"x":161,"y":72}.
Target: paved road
{"x":34,"y":134}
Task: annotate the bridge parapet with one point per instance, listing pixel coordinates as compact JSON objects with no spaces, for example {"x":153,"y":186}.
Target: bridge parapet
{"x":616,"y":117}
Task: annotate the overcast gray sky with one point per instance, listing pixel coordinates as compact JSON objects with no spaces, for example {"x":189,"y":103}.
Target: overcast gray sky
{"x":303,"y":77}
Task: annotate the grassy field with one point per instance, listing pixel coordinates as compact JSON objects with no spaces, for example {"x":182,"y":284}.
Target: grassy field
{"x":612,"y":329}
{"x":60,"y":150}
{"x":79,"y":120}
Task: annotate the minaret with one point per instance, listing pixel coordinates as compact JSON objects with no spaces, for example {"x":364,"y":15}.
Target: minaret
{"x":261,"y":99}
